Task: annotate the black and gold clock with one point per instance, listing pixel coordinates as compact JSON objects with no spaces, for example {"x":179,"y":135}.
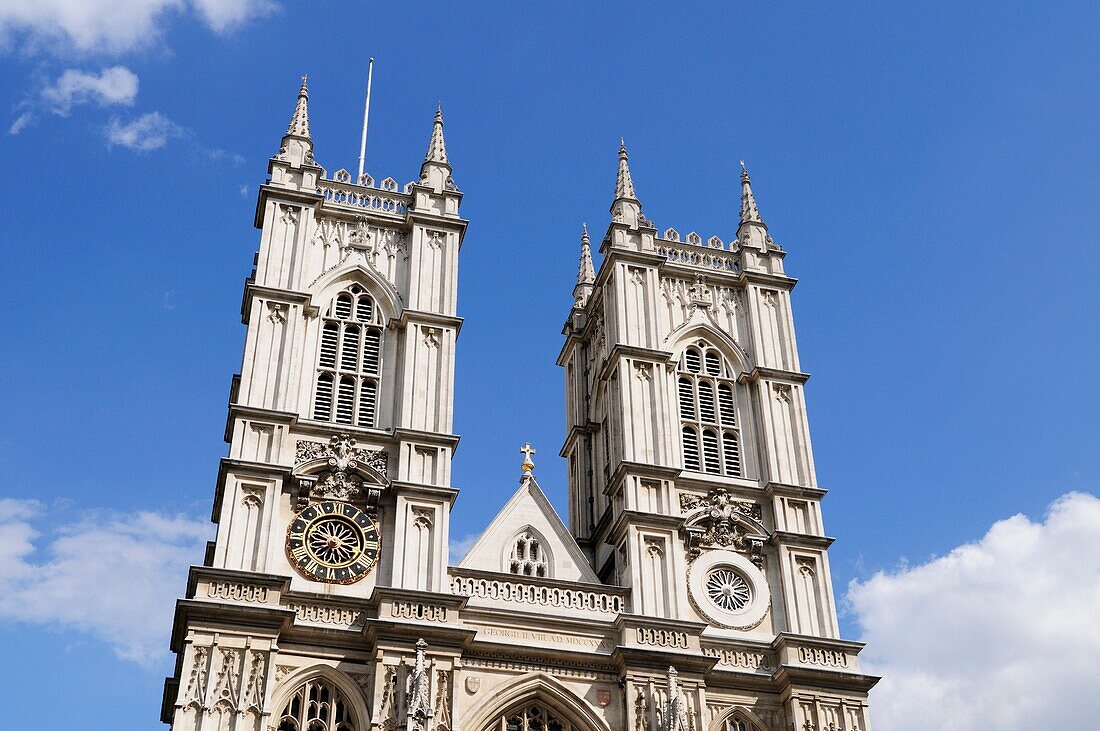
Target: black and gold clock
{"x":333,"y":542}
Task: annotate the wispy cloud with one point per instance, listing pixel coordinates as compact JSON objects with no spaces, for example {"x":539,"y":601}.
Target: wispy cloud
{"x":21,"y":123}
{"x":998,"y":634}
{"x":115,"y":576}
{"x":112,"y":27}
{"x":115,"y":85}
{"x":459,"y":548}
{"x":150,"y":131}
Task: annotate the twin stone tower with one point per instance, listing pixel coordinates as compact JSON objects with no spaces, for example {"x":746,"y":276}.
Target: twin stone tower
{"x":690,"y":590}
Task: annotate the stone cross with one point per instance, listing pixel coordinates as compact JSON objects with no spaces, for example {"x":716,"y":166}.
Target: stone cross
{"x":527,"y":450}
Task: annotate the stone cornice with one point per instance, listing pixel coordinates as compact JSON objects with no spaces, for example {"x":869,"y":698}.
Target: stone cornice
{"x":423,"y":317}
{"x":781,"y":489}
{"x":427,"y":491}
{"x":258,"y":469}
{"x":267,"y":190}
{"x":286,"y":296}
{"x":779,"y":281}
{"x":800,"y":540}
{"x":620,"y":351}
{"x":426,"y":437}
{"x":773,"y":374}
{"x":249,"y":619}
{"x":573,"y":434}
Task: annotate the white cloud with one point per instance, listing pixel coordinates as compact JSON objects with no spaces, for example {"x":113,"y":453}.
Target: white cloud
{"x":116,"y":85}
{"x":1002,"y":634}
{"x":459,"y":548}
{"x":20,"y":123}
{"x":114,"y":576}
{"x":113,"y":26}
{"x":148,"y":132}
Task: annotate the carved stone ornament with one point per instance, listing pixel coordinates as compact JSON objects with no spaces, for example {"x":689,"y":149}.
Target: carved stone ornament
{"x":603,"y":698}
{"x":720,"y":521}
{"x":342,"y":459}
{"x":418,"y":690}
{"x":473,"y":684}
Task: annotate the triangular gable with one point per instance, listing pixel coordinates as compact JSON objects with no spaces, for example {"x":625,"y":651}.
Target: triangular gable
{"x":529,"y":508}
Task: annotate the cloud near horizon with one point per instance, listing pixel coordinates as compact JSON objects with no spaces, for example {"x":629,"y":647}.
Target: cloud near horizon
{"x":1000,"y":634}
{"x":114,"y":576}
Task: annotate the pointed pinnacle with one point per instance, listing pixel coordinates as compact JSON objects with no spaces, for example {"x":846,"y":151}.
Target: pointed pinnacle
{"x":586,"y":272}
{"x":437,"y":150}
{"x":299,"y":123}
{"x":624,"y":184}
{"x":750,"y":212}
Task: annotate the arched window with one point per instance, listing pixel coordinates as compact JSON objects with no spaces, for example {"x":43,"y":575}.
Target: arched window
{"x":349,"y":363}
{"x":531,"y":717}
{"x":317,"y":706}
{"x":707,"y":393}
{"x":528,"y":556}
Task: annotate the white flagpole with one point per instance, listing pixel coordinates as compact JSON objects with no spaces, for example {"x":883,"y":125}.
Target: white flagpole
{"x":366,"y":116}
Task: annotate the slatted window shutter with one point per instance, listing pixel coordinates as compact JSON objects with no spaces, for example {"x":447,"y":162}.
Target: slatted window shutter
{"x":731,"y":454}
{"x":710,"y":452}
{"x":691,"y":449}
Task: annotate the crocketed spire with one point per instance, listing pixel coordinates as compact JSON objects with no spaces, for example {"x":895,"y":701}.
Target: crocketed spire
{"x":626,"y":208}
{"x":437,"y":150}
{"x":624,"y":184}
{"x":299,"y":123}
{"x":749,"y":211}
{"x":586,"y":273}
{"x":297,"y":146}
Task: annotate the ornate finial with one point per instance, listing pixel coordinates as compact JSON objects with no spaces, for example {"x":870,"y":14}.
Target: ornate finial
{"x":586,"y":272}
{"x":584,"y":233}
{"x":527,"y":450}
{"x":421,"y":648}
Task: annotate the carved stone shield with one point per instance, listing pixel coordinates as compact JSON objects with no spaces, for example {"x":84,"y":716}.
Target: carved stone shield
{"x":473,"y":684}
{"x":603,"y":697}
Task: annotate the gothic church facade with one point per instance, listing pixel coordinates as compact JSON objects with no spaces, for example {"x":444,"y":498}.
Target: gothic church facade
{"x":690,"y":590}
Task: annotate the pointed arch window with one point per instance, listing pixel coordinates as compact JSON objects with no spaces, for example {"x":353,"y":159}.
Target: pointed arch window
{"x":707,"y":393}
{"x":349,"y":360}
{"x":317,"y":706}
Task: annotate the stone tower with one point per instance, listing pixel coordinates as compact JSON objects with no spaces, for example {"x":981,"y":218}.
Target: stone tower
{"x":336,"y":491}
{"x":690,"y":590}
{"x":691,"y":477}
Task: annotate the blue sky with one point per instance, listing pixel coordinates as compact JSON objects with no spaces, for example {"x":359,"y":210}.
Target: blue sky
{"x":930,"y":168}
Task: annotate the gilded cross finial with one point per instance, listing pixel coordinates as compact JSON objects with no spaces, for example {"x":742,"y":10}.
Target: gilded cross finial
{"x":527,"y":450}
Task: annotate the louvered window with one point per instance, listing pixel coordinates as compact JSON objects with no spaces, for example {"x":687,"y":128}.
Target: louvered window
{"x":706,"y":401}
{"x":349,"y":360}
{"x":687,"y":399}
{"x":710,"y":452}
{"x":691,"y":449}
{"x":707,"y":392}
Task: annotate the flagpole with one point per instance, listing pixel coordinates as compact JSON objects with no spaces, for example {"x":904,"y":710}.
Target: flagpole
{"x":366,"y":116}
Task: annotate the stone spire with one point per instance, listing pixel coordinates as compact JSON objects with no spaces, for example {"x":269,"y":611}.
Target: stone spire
{"x":299,"y":123}
{"x":624,"y":184}
{"x":751,"y":231}
{"x":586,"y":273}
{"x":297,"y":145}
{"x":626,"y":208}
{"x":436,"y":170}
{"x":437,"y":150}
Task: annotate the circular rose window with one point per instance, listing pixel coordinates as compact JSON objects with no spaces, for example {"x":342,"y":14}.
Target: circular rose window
{"x":728,"y":589}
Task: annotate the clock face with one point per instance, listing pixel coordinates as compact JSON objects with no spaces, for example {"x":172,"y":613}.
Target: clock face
{"x":333,"y":542}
